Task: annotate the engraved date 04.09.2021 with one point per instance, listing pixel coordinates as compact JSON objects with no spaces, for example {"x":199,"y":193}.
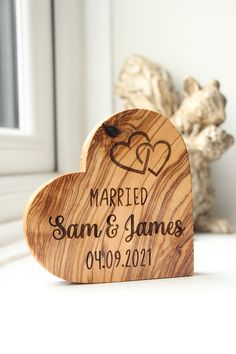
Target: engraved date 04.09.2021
{"x":114,"y":259}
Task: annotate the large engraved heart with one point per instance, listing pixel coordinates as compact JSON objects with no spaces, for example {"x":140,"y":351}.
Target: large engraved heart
{"x":162,"y":151}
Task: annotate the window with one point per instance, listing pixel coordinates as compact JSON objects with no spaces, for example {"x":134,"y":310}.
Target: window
{"x":27,"y":135}
{"x":9,"y":117}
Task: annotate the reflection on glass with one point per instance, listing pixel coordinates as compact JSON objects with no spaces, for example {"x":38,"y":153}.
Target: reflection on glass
{"x":8,"y":66}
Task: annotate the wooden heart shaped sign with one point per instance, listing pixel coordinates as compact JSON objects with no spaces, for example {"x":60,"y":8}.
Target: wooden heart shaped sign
{"x":127,"y":214}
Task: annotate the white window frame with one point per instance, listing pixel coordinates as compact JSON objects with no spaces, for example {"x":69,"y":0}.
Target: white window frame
{"x":27,"y":154}
{"x":30,"y":149}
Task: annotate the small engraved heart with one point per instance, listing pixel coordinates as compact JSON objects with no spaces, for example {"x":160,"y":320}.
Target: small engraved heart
{"x":124,"y":155}
{"x":162,"y":157}
{"x":134,"y":156}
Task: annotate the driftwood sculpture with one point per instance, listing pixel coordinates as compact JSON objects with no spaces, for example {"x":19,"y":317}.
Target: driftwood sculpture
{"x":143,"y":84}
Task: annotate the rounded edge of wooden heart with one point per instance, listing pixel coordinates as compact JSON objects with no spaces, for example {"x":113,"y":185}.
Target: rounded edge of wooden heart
{"x":82,"y":170}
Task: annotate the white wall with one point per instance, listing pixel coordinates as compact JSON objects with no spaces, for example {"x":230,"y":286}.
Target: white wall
{"x":187,"y":37}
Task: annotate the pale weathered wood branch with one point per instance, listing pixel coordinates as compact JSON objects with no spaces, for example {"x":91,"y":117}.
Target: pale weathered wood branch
{"x":197,"y":116}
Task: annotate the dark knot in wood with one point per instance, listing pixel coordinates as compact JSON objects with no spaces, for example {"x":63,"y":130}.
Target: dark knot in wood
{"x":111,"y":130}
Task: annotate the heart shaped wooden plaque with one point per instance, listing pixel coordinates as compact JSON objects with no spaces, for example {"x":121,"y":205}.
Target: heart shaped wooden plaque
{"x":127,"y":215}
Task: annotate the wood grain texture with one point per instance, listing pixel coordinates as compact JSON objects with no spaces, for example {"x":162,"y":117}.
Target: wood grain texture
{"x":127,"y":215}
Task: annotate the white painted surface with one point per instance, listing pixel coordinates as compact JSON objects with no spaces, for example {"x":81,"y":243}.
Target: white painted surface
{"x":13,"y":251}
{"x":42,"y":314}
{"x":98,"y":67}
{"x":15,"y":191}
{"x":70,"y":82}
{"x":83,"y":74}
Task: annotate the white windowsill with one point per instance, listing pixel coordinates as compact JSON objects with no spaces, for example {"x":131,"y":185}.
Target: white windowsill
{"x":15,"y":190}
{"x":180,"y":315}
{"x":12,"y":243}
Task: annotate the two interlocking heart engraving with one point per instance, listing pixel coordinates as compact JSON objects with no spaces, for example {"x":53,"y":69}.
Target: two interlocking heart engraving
{"x":142,"y":153}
